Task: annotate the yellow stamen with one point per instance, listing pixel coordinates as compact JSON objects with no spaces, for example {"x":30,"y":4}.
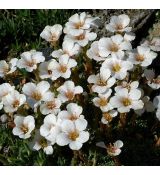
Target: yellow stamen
{"x":16,"y":103}
{"x":36,"y":95}
{"x":69,"y":95}
{"x":139,"y":57}
{"x":114,"y":47}
{"x":73,"y":135}
{"x":103,"y":102}
{"x":126,"y":101}
{"x":116,"y":67}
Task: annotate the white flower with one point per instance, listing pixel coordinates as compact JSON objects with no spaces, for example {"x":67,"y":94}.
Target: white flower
{"x":30,"y":59}
{"x":119,"y":24}
{"x":93,"y":52}
{"x":62,"y":68}
{"x":129,"y":36}
{"x":40,"y":142}
{"x":112,"y":149}
{"x":50,"y":128}
{"x":117,"y":67}
{"x":78,"y":23}
{"x":50,"y":104}
{"x":154,"y":44}
{"x":13,"y":101}
{"x":52,"y":33}
{"x":156,"y":101}
{"x":142,"y":56}
{"x":73,"y":113}
{"x":44,"y":71}
{"x":125,"y":100}
{"x":108,"y":116}
{"x":8,"y":68}
{"x":35,"y":93}
{"x":115,"y":45}
{"x":68,"y":47}
{"x":5,"y":89}
{"x":73,"y":134}
{"x":130,"y":86}
{"x":153,"y":82}
{"x":68,"y":91}
{"x":148,"y":106}
{"x":83,"y":38}
{"x":102,"y":101}
{"x":3,"y":118}
{"x":101,"y":81}
{"x":23,"y":126}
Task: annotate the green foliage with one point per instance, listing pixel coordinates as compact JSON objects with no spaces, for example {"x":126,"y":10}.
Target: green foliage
{"x":20,"y":29}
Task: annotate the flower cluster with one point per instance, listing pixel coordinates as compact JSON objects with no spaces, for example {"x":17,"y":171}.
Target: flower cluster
{"x":47,"y":107}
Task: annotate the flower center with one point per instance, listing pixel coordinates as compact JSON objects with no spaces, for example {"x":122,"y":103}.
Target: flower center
{"x":102,"y":82}
{"x":119,"y":27}
{"x":43,"y":143}
{"x":31,"y":63}
{"x":156,"y":81}
{"x":51,"y":105}
{"x":63,"y":68}
{"x":53,"y":38}
{"x":116,"y":67}
{"x":36,"y":95}
{"x":69,"y":95}
{"x":111,"y":149}
{"x":73,"y":135}
{"x":107,"y":116}
{"x":24,"y":128}
{"x":16,"y":103}
{"x":103,"y":102}
{"x":139,"y":57}
{"x":78,"y":25}
{"x":49,"y":72}
{"x":80,"y":37}
{"x":126,"y":102}
{"x":73,"y":117}
{"x":114,"y":47}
